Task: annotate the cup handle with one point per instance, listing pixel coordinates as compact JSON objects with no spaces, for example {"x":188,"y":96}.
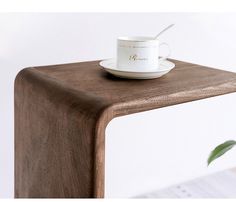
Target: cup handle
{"x":165,"y":57}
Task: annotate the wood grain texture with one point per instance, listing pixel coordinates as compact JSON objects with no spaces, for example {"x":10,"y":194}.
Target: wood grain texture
{"x":61,"y":113}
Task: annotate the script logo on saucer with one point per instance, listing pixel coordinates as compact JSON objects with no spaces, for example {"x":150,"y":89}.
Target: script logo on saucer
{"x":135,"y":57}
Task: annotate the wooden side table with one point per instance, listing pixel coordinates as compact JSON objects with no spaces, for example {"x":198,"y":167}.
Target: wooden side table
{"x":61,"y":113}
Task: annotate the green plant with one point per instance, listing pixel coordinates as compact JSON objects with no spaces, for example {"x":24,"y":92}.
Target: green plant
{"x":220,"y":150}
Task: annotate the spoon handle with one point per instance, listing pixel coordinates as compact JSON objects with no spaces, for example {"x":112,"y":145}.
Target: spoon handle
{"x":164,"y":31}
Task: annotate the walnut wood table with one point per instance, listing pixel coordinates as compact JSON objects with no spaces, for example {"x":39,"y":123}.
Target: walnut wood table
{"x":61,"y":113}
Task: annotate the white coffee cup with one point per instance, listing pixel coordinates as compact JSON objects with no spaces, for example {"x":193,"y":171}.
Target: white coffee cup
{"x":139,"y":53}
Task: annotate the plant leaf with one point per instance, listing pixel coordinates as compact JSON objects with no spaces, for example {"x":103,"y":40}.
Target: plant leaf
{"x":220,"y":150}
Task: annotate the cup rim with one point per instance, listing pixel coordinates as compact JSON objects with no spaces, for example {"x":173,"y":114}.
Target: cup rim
{"x":136,"y":38}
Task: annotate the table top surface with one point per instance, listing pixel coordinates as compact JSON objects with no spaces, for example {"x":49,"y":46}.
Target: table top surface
{"x":186,"y":82}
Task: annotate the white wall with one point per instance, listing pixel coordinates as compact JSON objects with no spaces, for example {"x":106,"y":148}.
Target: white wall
{"x":42,"y":39}
{"x":158,"y":148}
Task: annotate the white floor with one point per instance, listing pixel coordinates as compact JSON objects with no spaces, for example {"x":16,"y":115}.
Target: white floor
{"x":219,"y":185}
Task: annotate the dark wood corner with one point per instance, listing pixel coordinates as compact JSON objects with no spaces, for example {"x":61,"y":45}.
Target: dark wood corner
{"x":61,"y":113}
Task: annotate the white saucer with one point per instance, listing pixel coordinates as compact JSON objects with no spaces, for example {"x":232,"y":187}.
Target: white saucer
{"x":109,"y":65}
